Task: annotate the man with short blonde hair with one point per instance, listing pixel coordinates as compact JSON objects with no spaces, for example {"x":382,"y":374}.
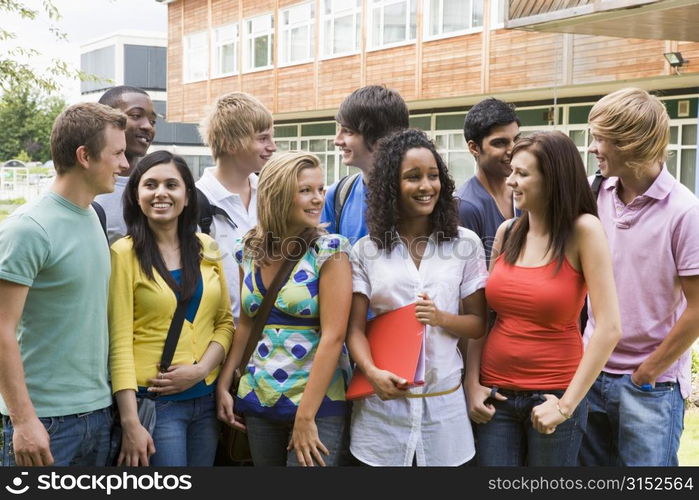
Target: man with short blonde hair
{"x":239,"y":131}
{"x":54,"y":281}
{"x":636,"y":405}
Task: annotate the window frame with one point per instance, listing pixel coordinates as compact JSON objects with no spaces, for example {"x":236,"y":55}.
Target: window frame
{"x":441,"y":35}
{"x":357,"y":17}
{"x":494,"y":6}
{"x":249,"y":43}
{"x":216,"y":50}
{"x":380,"y":6}
{"x":186,"y":56}
{"x":285,"y":31}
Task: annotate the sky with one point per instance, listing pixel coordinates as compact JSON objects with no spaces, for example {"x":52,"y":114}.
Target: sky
{"x":82,"y":21}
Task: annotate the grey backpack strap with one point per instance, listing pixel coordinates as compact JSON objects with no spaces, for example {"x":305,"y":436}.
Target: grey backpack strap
{"x":344,"y":186}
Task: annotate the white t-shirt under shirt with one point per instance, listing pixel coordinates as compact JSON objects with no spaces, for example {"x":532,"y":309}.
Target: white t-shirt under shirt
{"x":223,"y":232}
{"x":434,"y":430}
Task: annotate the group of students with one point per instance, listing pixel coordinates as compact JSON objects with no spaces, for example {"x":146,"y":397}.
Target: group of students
{"x":499,"y":271}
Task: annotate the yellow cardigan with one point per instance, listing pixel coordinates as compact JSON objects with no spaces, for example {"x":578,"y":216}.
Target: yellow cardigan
{"x":141,"y":310}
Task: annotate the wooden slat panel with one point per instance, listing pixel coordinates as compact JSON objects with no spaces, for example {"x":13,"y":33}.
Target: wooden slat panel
{"x":224,"y":12}
{"x":526,"y":8}
{"x":523,"y":60}
{"x":261,"y":85}
{"x":395,"y":68}
{"x":448,"y":68}
{"x":251,"y":9}
{"x":295,"y":88}
{"x":223,"y":86}
{"x":336,"y":79}
{"x":196,"y":16}
{"x":173,"y":110}
{"x":603,"y":58}
{"x":690,"y":51}
{"x":194,"y":102}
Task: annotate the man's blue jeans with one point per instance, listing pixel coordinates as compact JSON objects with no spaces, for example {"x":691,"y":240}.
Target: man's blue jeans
{"x":269,"y":439}
{"x":628,"y":426}
{"x":186,"y":432}
{"x":509,"y":439}
{"x":82,"y":439}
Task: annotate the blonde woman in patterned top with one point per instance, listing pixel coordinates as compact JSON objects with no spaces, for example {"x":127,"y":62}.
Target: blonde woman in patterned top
{"x":292,"y":395}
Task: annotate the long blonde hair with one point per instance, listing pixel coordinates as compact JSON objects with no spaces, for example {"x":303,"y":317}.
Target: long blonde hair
{"x":275,"y":198}
{"x":637,"y":122}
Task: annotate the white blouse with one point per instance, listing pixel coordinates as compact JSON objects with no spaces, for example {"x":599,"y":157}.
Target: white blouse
{"x":434,"y":430}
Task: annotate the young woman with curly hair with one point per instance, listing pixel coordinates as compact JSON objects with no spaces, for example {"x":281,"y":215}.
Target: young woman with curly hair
{"x":415,"y":253}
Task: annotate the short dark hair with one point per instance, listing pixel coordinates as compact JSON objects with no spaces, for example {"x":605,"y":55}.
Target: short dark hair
{"x":485,"y":115}
{"x":144,"y":244}
{"x":374,"y":111}
{"x":81,"y":124}
{"x":568,"y":194}
{"x":112,"y":97}
{"x":383,"y":190}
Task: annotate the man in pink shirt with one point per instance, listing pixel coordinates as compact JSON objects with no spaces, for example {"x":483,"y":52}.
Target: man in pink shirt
{"x":636,"y":406}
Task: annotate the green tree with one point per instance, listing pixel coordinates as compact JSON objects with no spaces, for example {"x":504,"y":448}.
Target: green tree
{"x":14,"y":66}
{"x":26,"y":117}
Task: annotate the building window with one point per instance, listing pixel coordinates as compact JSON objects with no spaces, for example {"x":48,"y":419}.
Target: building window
{"x":340,"y":27}
{"x":392,"y":22}
{"x":452,"y":17}
{"x":196,"y":62}
{"x":497,"y":14}
{"x":259,"y":34}
{"x":682,"y":152}
{"x":225,"y":48}
{"x":296,"y":37}
{"x":451,"y":145}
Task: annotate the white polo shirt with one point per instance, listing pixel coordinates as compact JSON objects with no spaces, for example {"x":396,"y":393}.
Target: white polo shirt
{"x":223,"y":232}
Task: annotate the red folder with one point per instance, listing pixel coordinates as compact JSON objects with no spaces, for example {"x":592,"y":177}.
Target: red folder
{"x":397,"y":343}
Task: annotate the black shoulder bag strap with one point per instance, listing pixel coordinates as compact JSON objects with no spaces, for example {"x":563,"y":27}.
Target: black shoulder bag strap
{"x":102,"y":216}
{"x":270,"y":297}
{"x":207,"y":211}
{"x":173,"y":334}
{"x":597,"y":183}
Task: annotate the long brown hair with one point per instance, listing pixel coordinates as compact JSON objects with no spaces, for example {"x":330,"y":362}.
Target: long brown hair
{"x":567,"y":191}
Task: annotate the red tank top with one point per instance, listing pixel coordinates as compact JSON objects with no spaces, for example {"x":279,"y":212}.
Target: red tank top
{"x":535,"y":342}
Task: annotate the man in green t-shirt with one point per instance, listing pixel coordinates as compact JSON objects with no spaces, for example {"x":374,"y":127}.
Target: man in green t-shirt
{"x":54,"y":279}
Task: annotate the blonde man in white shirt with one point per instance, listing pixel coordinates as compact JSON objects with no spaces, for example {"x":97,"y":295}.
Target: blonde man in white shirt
{"x":238,"y":129}
{"x":415,"y":253}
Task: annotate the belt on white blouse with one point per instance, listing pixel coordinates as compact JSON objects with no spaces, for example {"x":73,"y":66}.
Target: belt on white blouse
{"x":433,"y":394}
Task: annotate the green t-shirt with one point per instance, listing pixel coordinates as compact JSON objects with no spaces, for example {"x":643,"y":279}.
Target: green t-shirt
{"x":59,"y":251}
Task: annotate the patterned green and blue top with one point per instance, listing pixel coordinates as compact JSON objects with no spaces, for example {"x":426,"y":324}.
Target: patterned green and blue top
{"x":281,"y":363}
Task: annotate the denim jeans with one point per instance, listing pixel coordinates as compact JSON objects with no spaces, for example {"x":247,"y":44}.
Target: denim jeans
{"x":186,"y":432}
{"x":82,"y":439}
{"x":509,"y":439}
{"x":269,"y":439}
{"x":628,"y":426}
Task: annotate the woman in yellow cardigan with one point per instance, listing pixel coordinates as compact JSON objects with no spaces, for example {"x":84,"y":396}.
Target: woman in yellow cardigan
{"x":162,"y":253}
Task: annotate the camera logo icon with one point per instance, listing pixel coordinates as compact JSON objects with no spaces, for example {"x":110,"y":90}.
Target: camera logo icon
{"x":17,"y":483}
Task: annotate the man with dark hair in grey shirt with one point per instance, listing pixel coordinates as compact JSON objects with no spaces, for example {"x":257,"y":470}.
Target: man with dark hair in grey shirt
{"x":140,"y":131}
{"x":485,"y":201}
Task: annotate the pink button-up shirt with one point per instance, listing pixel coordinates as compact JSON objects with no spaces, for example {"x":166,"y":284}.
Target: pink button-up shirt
{"x":653,"y":241}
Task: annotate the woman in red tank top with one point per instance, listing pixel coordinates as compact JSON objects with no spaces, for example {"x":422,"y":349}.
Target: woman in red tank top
{"x":528,"y":378}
